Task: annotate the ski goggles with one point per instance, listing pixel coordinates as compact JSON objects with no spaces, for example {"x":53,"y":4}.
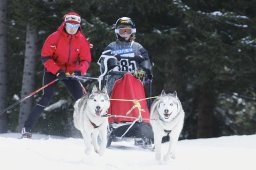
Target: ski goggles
{"x":69,"y":25}
{"x":121,"y":31}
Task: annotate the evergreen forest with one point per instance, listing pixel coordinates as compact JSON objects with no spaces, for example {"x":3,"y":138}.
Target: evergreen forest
{"x":205,"y":50}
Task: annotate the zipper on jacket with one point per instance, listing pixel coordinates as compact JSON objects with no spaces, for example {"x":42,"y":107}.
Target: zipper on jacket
{"x":69,"y":49}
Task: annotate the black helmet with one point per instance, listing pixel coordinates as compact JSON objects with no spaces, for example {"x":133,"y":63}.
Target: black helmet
{"x":123,"y":33}
{"x":124,"y":21}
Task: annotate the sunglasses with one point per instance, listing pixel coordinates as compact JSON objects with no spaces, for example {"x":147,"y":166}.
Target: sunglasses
{"x":69,"y":25}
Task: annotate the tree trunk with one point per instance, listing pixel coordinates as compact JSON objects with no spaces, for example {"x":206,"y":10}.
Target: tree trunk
{"x":205,"y":112}
{"x":28,"y":74}
{"x":3,"y":116}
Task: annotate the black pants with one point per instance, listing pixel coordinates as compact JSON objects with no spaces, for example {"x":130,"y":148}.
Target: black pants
{"x":72,"y":85}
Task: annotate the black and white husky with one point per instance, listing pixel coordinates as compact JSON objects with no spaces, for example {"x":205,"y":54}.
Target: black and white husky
{"x":166,"y":118}
{"x":90,"y":117}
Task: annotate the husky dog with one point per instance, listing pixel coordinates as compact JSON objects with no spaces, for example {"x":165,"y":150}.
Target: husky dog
{"x":166,"y":118}
{"x":90,"y":117}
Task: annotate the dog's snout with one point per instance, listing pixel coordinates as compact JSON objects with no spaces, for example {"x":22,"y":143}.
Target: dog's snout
{"x":166,"y":110}
{"x":98,"y":107}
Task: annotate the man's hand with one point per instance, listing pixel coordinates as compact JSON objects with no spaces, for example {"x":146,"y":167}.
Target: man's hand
{"x":61,"y":75}
{"x":118,"y":57}
{"x":149,"y":76}
{"x":77,"y":73}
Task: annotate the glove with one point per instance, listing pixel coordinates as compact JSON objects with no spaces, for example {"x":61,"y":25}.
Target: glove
{"x":149,"y":79}
{"x":77,"y":73}
{"x":139,"y":74}
{"x":149,"y":76}
{"x":138,"y":58}
{"x":118,"y":57}
{"x":61,"y":75}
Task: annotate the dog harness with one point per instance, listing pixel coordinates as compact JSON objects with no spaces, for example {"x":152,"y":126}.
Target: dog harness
{"x":167,"y":131}
{"x":94,"y":125}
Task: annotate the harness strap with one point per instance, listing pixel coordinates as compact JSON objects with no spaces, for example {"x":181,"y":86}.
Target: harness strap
{"x":94,"y":125}
{"x":105,"y":115}
{"x":168,"y":131}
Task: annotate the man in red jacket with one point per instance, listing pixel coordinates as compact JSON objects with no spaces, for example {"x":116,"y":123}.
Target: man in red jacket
{"x":64,"y":51}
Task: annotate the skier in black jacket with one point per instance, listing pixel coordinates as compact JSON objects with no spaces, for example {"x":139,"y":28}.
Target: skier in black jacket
{"x":131,"y":55}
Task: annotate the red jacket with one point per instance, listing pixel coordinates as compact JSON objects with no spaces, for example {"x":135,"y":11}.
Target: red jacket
{"x":66,"y":52}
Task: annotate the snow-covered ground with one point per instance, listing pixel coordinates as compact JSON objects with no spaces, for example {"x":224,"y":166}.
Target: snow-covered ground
{"x":57,"y":153}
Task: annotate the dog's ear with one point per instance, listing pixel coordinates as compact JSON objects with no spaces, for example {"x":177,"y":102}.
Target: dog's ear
{"x":163,"y":93}
{"x":174,"y":94}
{"x":105,"y":89}
{"x":94,"y":89}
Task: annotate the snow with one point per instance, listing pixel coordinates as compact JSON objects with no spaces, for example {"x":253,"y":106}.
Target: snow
{"x":217,"y":13}
{"x":228,"y":14}
{"x":50,"y":152}
{"x":16,"y":97}
{"x":55,"y":105}
{"x":248,"y":41}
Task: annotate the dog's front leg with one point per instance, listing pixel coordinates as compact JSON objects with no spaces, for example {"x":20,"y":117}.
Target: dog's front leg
{"x":174,"y":136}
{"x":95,"y":135}
{"x":157,"y":141}
{"x":103,"y":136}
{"x":87,"y":142}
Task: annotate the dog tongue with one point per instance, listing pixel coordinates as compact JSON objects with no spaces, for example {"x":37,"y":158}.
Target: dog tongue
{"x":167,"y":115}
{"x":98,"y":112}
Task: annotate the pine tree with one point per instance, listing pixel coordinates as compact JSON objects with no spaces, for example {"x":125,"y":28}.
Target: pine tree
{"x":3,"y":84}
{"x":28,"y":73}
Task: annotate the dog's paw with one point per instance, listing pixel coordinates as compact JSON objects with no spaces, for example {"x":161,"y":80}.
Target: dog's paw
{"x":96,"y":149}
{"x":169,"y":156}
{"x":101,"y":152}
{"x":173,"y":156}
{"x":158,"y":156}
{"x":88,"y":151}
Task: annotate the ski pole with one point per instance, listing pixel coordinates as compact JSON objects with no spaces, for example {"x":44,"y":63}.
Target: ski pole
{"x":83,"y":78}
{"x":129,"y":128}
{"x":28,"y":96}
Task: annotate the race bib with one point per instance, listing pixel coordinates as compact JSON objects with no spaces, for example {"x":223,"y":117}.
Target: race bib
{"x":126,"y":65}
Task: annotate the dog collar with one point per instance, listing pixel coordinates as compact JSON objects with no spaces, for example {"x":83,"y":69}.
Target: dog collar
{"x":94,"y":125}
{"x":167,"y":131}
